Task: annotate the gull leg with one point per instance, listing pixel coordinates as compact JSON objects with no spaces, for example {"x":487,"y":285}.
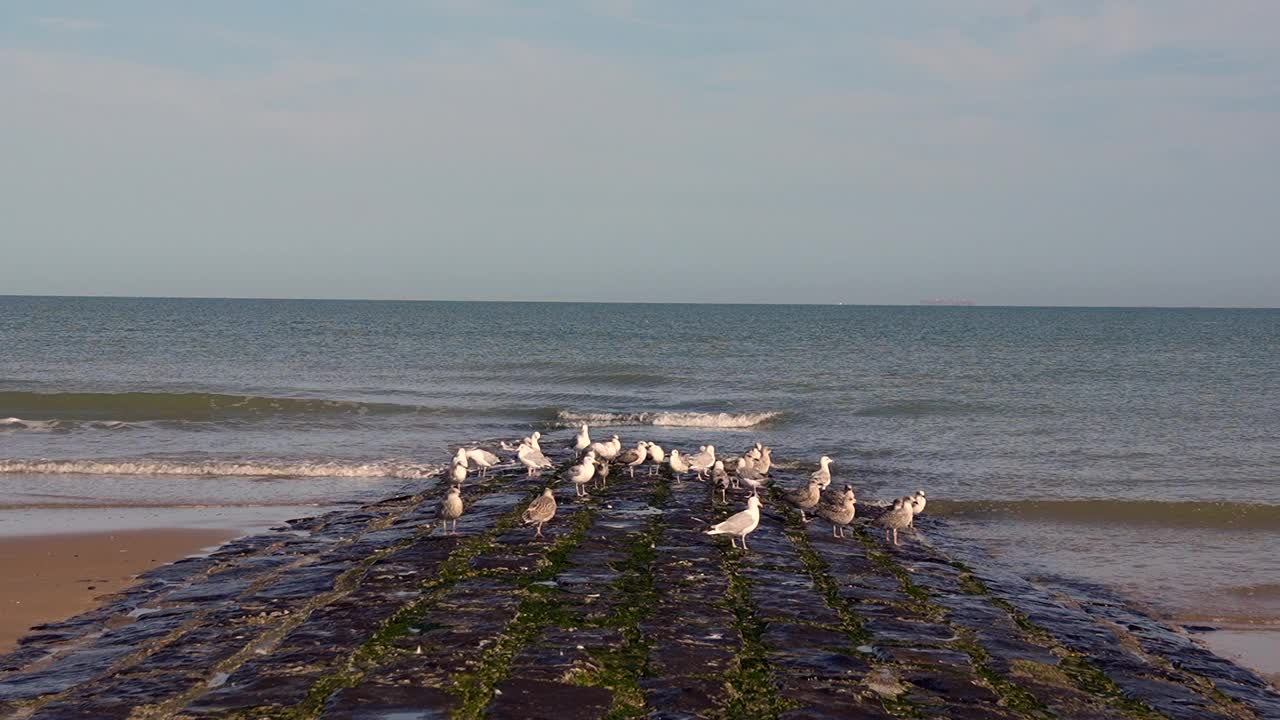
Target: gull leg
{"x":733,"y":541}
{"x":744,"y":542}
{"x":895,"y":536}
{"x":833,"y":530}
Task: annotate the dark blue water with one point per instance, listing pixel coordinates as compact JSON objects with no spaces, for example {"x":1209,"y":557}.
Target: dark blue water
{"x":1036,"y":429}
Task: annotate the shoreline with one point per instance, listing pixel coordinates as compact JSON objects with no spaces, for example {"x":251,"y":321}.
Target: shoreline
{"x":55,"y":576}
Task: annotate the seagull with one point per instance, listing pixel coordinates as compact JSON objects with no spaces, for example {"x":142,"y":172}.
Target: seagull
{"x":679,"y":466}
{"x":917,"y":506}
{"x":540,"y":511}
{"x":582,"y":473}
{"x":633,"y":457}
{"x":739,"y":525}
{"x":582,"y":440}
{"x":460,"y":458}
{"x":840,"y":513}
{"x":532,"y":458}
{"x":483,"y":459}
{"x":608,"y":449}
{"x":766,"y":460}
{"x":823,"y":474}
{"x":703,"y":461}
{"x":451,"y":508}
{"x":720,"y":479}
{"x":750,"y":476}
{"x":896,"y":519}
{"x":656,"y":456}
{"x":458,"y":473}
{"x":603,"y":473}
{"x":806,"y":497}
{"x":533,"y":440}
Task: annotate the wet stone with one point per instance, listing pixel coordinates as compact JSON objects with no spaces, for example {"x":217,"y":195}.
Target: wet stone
{"x":542,"y":700}
{"x":381,"y":701}
{"x":256,"y":691}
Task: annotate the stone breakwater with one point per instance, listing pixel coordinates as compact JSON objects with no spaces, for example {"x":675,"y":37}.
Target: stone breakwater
{"x":625,"y":610}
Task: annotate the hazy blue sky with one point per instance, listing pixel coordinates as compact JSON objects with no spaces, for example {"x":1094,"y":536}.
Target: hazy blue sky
{"x":1009,"y":151}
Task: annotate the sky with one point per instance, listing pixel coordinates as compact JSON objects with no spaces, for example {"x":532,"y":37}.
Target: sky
{"x":1091,"y":152}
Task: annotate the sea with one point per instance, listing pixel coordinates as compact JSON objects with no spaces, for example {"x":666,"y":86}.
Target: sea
{"x":1134,"y":448}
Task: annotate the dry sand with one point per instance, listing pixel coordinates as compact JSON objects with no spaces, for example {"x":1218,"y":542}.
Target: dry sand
{"x":51,"y":577}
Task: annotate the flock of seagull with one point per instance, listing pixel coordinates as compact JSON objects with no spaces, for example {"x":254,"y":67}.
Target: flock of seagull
{"x":750,"y":470}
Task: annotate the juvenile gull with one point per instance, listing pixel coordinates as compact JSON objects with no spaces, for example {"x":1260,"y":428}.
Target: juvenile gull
{"x":720,"y":479}
{"x":656,"y":456}
{"x":739,"y":525}
{"x":483,"y":459}
{"x":532,"y":458}
{"x":633,"y":457}
{"x":450,"y":508}
{"x":540,"y":511}
{"x":678,"y":465}
{"x":806,"y":497}
{"x":840,"y":513}
{"x":823,"y":473}
{"x":582,"y":473}
{"x":602,"y":472}
{"x":896,"y":519}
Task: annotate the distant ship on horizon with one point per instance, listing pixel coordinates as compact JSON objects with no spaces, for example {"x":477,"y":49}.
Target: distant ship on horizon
{"x":960,"y":302}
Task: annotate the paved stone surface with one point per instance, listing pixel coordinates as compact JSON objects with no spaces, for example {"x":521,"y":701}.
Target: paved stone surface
{"x":625,"y":609}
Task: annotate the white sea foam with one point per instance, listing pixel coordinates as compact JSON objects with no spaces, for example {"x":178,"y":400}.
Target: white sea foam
{"x":669,"y":419}
{"x":226,"y":468}
{"x":13,"y":423}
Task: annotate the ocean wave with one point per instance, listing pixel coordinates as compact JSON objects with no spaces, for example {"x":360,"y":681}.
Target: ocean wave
{"x":1189,"y":514}
{"x":221,"y":468}
{"x":723,"y":420}
{"x":133,"y":406}
{"x":14,"y":423}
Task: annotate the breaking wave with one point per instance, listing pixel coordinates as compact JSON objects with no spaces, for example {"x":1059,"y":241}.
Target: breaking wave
{"x":14,"y":423}
{"x":566,"y":418}
{"x":223,"y":468}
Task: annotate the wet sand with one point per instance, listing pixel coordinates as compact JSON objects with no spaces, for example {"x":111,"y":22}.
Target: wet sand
{"x":52,"y":577}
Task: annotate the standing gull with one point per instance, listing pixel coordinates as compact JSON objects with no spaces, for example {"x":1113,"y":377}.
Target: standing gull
{"x":739,"y":525}
{"x":719,"y":480}
{"x":633,"y":457}
{"x":840,"y":513}
{"x":704,"y":460}
{"x":750,"y":476}
{"x":450,"y":509}
{"x":895,"y":519}
{"x":656,"y":456}
{"x":806,"y":497}
{"x":458,"y":472}
{"x":679,"y":466}
{"x":607,"y":450}
{"x":532,"y":458}
{"x":483,"y":459}
{"x":823,"y":473}
{"x":582,"y":473}
{"x":540,"y":511}
{"x":917,"y":506}
{"x":766,"y":460}
{"x":582,"y":440}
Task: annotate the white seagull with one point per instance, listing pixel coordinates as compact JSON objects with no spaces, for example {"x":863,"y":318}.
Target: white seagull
{"x":582,"y":473}
{"x":656,"y":456}
{"x":532,"y":458}
{"x":823,"y":474}
{"x":483,"y":459}
{"x":739,"y":525}
{"x":704,"y":460}
{"x":582,"y":440}
{"x":678,"y":464}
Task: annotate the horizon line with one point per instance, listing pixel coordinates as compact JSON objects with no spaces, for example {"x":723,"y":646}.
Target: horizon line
{"x":921,"y":303}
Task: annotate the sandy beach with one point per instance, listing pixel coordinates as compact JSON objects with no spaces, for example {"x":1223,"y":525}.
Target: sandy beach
{"x":51,"y":577}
